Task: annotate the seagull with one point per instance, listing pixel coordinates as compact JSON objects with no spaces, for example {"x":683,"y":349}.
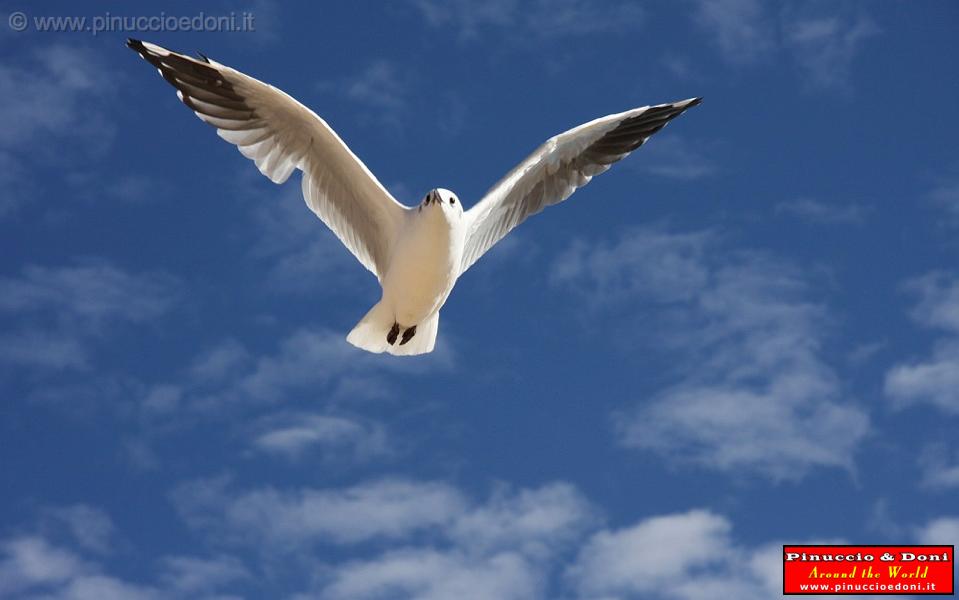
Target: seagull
{"x":416,"y":253}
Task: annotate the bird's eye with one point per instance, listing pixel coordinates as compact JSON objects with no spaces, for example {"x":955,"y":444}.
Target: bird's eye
{"x":452,"y":200}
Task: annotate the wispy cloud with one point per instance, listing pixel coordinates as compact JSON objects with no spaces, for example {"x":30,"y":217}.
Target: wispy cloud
{"x":818,"y":212}
{"x":383,"y":88}
{"x":542,"y":19}
{"x":934,"y":379}
{"x":59,"y":311}
{"x":754,"y":392}
{"x":380,"y":85}
{"x":676,"y":157}
{"x":389,"y":509}
{"x":91,"y":528}
{"x":301,"y":255}
{"x":391,"y":95}
{"x":188,"y":576}
{"x":742,"y":29}
{"x":823,"y":40}
{"x":694,"y":555}
{"x":825,"y":47}
{"x":943,"y":530}
{"x":386,"y":509}
{"x":682,"y":556}
{"x":89,"y":294}
{"x":681,"y":68}
{"x":51,"y":113}
{"x":504,"y":551}
{"x":295,"y":435}
{"x":698,"y":549}
{"x":43,"y":349}
{"x":30,"y":561}
{"x":405,"y":538}
{"x":33,"y":566}
{"x":428,"y":539}
{"x":285,"y":401}
{"x":317,"y":360}
{"x":945,"y":195}
{"x":940,"y":466}
{"x":419,"y":539}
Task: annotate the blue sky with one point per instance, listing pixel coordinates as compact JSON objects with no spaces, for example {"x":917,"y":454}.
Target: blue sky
{"x":744,"y":335}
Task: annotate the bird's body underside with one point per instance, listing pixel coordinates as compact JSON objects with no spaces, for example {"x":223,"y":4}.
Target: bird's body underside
{"x":417,"y":253}
{"x":423,"y":268}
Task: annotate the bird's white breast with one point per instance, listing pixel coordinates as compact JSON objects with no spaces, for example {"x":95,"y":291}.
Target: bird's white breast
{"x":424,"y":264}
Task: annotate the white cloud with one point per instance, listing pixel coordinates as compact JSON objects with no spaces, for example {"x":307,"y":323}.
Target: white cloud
{"x":386,"y":89}
{"x":934,"y":379}
{"x":51,"y":113}
{"x":220,"y":362}
{"x":294,"y":435}
{"x":815,"y":211}
{"x":822,"y":40}
{"x":502,"y":549}
{"x":940,"y":467}
{"x":427,"y":574}
{"x":825,"y":47}
{"x":90,"y":527}
{"x":534,"y":521}
{"x":525,"y":544}
{"x":938,"y":305}
{"x":681,"y":68}
{"x":42,"y":349}
{"x":652,"y":554}
{"x":302,"y":255}
{"x":741,"y":29}
{"x":317,"y":359}
{"x":754,"y":392}
{"x":60,"y":310}
{"x":30,"y":561}
{"x":191,"y":575}
{"x":675,"y":157}
{"x":307,"y":365}
{"x":286,"y":402}
{"x":89,"y":293}
{"x":540,"y":19}
{"x":103,"y":587}
{"x":44,"y":96}
{"x":389,"y":92}
{"x":387,"y":509}
{"x":943,"y":530}
{"x":945,"y":195}
{"x":611,"y":274}
{"x":407,"y":538}
{"x":683,"y":556}
{"x":32,"y":566}
{"x":378,"y":86}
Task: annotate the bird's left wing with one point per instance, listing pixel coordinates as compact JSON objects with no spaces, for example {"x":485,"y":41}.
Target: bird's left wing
{"x":557,"y":168}
{"x":281,"y":135}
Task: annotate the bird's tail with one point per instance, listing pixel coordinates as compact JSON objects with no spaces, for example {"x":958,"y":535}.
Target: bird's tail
{"x":371,"y":333}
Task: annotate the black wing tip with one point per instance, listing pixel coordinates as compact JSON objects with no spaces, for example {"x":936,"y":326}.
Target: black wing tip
{"x":136,"y":45}
{"x":691,"y":102}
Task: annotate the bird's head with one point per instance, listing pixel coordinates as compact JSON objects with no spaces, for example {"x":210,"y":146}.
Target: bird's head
{"x":445,"y":200}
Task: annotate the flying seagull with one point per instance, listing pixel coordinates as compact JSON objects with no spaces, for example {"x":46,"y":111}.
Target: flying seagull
{"x":417,"y":253}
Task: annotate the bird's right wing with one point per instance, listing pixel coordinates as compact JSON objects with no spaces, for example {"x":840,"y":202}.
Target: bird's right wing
{"x":558,"y":168}
{"x":280,"y":134}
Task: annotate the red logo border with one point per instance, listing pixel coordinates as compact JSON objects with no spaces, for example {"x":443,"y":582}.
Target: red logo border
{"x":820,"y":593}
